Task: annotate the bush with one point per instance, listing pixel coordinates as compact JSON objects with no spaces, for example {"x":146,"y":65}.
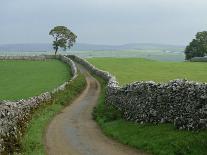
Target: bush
{"x":198,"y":46}
{"x":105,"y":112}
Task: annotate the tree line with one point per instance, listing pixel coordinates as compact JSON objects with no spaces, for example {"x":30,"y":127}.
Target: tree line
{"x":65,"y":38}
{"x":197,"y":47}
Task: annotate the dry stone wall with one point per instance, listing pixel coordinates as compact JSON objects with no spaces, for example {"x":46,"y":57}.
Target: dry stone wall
{"x":72,"y":67}
{"x":180,"y":102}
{"x":199,"y":59}
{"x":15,"y":114}
{"x":42,"y":57}
{"x":103,"y":74}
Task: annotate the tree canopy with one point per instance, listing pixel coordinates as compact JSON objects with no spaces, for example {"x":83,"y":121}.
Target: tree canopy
{"x":197,"y":47}
{"x":63,"y":38}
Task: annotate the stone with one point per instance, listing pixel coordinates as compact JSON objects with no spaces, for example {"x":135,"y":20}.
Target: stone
{"x":180,"y":102}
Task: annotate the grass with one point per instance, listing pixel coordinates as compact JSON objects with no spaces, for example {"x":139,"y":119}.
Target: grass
{"x":136,"y":69}
{"x":32,"y":142}
{"x":23,"y":79}
{"x":157,"y":139}
{"x":161,"y":139}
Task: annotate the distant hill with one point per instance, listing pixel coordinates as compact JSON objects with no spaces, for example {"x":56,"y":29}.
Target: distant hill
{"x":25,"y":47}
{"x":89,"y":47}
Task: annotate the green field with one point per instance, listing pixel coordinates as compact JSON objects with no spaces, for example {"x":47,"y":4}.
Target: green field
{"x":135,"y":69}
{"x":23,"y":79}
{"x":161,"y":139}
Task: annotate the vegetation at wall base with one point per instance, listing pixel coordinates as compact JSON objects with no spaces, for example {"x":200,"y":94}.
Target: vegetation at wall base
{"x":101,"y":112}
{"x":162,"y":139}
{"x":32,"y":142}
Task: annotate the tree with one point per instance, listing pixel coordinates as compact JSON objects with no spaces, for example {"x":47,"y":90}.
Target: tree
{"x":197,"y":47}
{"x":63,"y":38}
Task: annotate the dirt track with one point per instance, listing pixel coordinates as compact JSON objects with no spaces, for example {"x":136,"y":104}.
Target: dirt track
{"x":73,"y":132}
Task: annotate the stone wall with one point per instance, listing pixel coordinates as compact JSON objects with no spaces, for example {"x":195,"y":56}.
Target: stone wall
{"x":103,"y":74}
{"x":72,"y":67}
{"x":199,"y":59}
{"x":180,"y":102}
{"x":70,"y":63}
{"x":15,"y":115}
{"x":41,"y":57}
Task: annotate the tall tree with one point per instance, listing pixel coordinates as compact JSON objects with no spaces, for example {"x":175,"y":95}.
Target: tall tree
{"x":63,"y":38}
{"x":197,"y":47}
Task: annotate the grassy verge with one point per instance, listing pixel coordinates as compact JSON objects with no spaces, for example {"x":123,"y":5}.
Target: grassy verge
{"x":23,"y":79}
{"x":161,"y":139}
{"x":32,"y":142}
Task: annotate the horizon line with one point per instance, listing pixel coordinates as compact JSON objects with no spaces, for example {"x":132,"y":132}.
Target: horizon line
{"x":98,"y":44}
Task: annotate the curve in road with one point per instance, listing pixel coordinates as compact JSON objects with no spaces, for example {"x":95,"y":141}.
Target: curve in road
{"x":74,"y":132}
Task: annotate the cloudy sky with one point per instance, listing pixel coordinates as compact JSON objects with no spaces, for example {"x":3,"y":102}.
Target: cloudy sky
{"x":103,"y":21}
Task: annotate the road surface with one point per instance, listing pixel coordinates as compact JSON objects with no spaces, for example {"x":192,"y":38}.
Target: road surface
{"x":74,"y":132}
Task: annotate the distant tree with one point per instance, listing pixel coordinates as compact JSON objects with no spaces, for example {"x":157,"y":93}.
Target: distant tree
{"x":63,"y":38}
{"x":197,"y":47}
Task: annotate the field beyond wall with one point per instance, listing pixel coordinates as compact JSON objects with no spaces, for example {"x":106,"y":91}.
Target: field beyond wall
{"x":128,"y":70}
{"x":22,"y":79}
{"x":158,"y":139}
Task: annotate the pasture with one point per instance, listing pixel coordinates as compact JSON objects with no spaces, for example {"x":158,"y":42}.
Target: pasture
{"x":23,"y":79}
{"x":136,"y":69}
{"x":160,"y":139}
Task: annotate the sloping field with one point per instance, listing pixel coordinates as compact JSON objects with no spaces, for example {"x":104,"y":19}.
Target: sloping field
{"x":23,"y":79}
{"x":135,"y":69}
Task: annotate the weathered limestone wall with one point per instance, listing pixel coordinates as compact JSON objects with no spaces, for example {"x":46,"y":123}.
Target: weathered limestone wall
{"x":42,"y":57}
{"x":181,"y":102}
{"x":15,"y":114}
{"x":199,"y":59}
{"x":103,"y":74}
{"x":72,"y":66}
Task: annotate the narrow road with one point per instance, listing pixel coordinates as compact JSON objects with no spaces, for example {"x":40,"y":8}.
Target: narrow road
{"x":74,"y":132}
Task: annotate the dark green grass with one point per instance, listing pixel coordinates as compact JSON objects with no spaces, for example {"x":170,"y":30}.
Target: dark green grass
{"x":161,"y":139}
{"x":135,"y":69}
{"x":23,"y":79}
{"x":33,"y":140}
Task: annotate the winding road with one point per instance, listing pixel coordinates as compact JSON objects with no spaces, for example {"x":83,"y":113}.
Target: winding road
{"x":74,"y":132}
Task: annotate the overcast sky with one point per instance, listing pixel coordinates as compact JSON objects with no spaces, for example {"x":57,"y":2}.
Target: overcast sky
{"x":103,"y":21}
